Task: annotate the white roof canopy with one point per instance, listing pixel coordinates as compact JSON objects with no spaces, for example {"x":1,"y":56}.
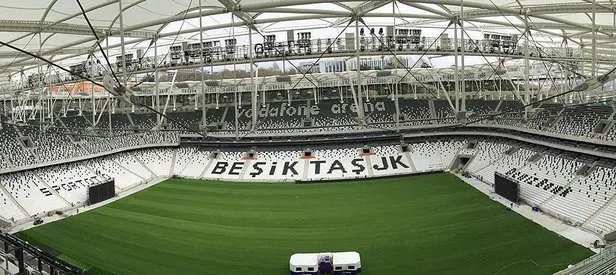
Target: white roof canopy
{"x":57,"y":30}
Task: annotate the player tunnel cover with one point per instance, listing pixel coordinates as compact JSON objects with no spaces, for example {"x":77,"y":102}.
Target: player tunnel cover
{"x":338,"y":263}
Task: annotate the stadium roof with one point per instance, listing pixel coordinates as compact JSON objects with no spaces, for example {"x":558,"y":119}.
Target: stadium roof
{"x":57,"y":29}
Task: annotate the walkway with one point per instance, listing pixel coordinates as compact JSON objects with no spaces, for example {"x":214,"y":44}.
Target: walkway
{"x":572,"y":233}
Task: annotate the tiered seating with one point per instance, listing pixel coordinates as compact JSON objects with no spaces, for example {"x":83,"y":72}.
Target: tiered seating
{"x":4,"y":161}
{"x":541,"y":119}
{"x":119,"y":123}
{"x":98,"y":145}
{"x":332,"y":113}
{"x":515,"y":112}
{"x":487,"y":153}
{"x":105,"y":166}
{"x":544,"y":178}
{"x":76,"y":121}
{"x":160,"y":138}
{"x":213,"y":116}
{"x":286,"y":155}
{"x":281,"y":124}
{"x":12,"y":149}
{"x":233,"y":156}
{"x":581,"y":120}
{"x":144,"y":121}
{"x":340,"y":153}
{"x":10,"y":211}
{"x":158,"y":160}
{"x":610,"y":134}
{"x":585,"y":196}
{"x":605,"y":221}
{"x":128,"y":161}
{"x":444,"y":112}
{"x":190,"y":161}
{"x":384,"y":115}
{"x":503,"y":164}
{"x":480,"y":107}
{"x":187,"y":119}
{"x":334,"y":121}
{"x":26,"y":189}
{"x":415,"y":110}
{"x":228,"y":120}
{"x":390,"y":150}
{"x":71,"y":180}
{"x":425,"y":159}
{"x":51,"y":145}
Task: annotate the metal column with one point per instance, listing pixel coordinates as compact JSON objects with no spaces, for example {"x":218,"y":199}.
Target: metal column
{"x":253,"y":90}
{"x":462,"y":47}
{"x":360,"y":104}
{"x":456,"y":76}
{"x":156,"y":83}
{"x":41,"y":79}
{"x":594,"y":39}
{"x":92,"y":90}
{"x":203,"y":109}
{"x":395,"y":78}
{"x":111,"y":101}
{"x":122,"y":42}
{"x":526,"y":66}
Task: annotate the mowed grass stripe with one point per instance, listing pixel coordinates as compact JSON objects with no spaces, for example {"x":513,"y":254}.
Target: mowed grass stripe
{"x":420,"y":224}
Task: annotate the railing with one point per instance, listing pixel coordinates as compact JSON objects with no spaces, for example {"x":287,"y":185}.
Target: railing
{"x":602,"y":260}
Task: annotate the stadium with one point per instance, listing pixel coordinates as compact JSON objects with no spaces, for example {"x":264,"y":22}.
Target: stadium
{"x":307,"y":137}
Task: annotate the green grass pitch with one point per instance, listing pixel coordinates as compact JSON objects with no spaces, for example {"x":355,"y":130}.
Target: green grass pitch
{"x":429,"y":224}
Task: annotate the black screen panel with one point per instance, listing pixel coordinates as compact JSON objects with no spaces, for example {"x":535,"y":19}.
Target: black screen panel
{"x":101,"y":192}
{"x":506,"y":188}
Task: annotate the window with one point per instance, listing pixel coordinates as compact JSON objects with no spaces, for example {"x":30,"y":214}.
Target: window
{"x":311,"y":269}
{"x":298,"y":269}
{"x":351,"y":267}
{"x":338,"y":268}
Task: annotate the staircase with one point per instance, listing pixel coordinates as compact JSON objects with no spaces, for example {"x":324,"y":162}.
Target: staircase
{"x":173,"y":159}
{"x":132,"y":122}
{"x":407,"y":155}
{"x":53,"y":191}
{"x":536,"y":157}
{"x":611,"y":117}
{"x":512,"y":150}
{"x":143,"y":164}
{"x":557,"y":120}
{"x":497,"y":109}
{"x":128,"y":170}
{"x":594,"y":215}
{"x":487,"y":165}
{"x":432,"y":109}
{"x":5,"y":158}
{"x":224,"y":115}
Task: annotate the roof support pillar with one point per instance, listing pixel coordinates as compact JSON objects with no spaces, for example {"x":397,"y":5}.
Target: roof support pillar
{"x":594,"y":38}
{"x":156,"y":85}
{"x":462,"y":47}
{"x":456,"y":76}
{"x":253,"y":88}
{"x":360,"y":105}
{"x":395,"y":78}
{"x":526,"y":65}
{"x":202,"y":71}
{"x":122,"y":46}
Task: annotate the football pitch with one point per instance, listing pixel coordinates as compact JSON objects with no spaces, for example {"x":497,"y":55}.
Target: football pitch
{"x":428,"y":224}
